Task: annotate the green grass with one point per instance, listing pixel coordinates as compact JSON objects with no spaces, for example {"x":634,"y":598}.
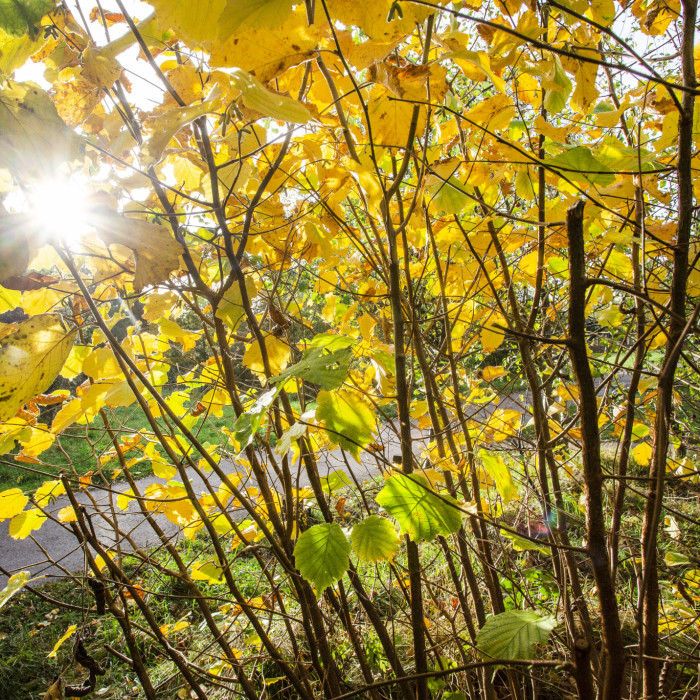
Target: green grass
{"x":78,"y":449}
{"x":29,"y":628}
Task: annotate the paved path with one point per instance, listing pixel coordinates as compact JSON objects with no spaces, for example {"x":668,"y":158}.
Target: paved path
{"x":59,"y":542}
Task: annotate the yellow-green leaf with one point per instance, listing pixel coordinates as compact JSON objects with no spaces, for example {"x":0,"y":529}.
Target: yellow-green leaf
{"x":321,"y":555}
{"x":375,"y":539}
{"x":498,"y":470}
{"x":347,"y":418}
{"x":422,"y":513}
{"x":270,"y":104}
{"x":14,"y":584}
{"x":30,"y":359}
{"x":18,"y":17}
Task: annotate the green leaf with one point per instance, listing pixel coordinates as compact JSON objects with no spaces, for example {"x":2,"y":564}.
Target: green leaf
{"x":348,"y":419}
{"x":513,"y":634}
{"x":14,"y":584}
{"x":18,"y":17}
{"x":579,"y":164}
{"x":498,"y":470}
{"x":375,"y":539}
{"x":322,"y":555}
{"x":327,"y":369}
{"x":247,"y":423}
{"x":418,"y":509}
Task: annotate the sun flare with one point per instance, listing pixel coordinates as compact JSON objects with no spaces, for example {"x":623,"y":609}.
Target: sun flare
{"x":60,"y":208}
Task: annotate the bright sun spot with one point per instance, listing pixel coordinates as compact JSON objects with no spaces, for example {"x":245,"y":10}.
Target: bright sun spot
{"x":59,"y":208}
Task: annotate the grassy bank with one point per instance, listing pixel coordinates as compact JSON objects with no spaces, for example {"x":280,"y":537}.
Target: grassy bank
{"x":79,"y":448}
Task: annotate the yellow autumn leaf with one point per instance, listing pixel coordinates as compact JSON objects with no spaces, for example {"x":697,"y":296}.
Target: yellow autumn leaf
{"x":492,"y":338}
{"x":12,"y":502}
{"x":390,"y":118}
{"x":174,"y":627}
{"x":493,"y":113}
{"x":73,"y":365}
{"x":48,"y":492}
{"x":187,"y":173}
{"x":22,"y":525}
{"x":100,"y":562}
{"x":266,"y":52}
{"x":602,"y":11}
{"x":642,"y":454}
{"x":40,"y":441}
{"x":101,"y":364}
{"x":584,"y":97}
{"x":375,"y":17}
{"x":172,"y":501}
{"x":124,"y":499}
{"x":194,"y":20}
{"x":68,"y":634}
{"x":164,"y":126}
{"x":67,"y":416}
{"x":163,"y":470}
{"x":75,"y":99}
{"x":230,"y":308}
{"x":158,"y":305}
{"x":207,"y":571}
{"x":100,"y":68}
{"x":172,"y":331}
{"x":67,"y":515}
{"x":30,"y":359}
{"x":367,"y":325}
{"x":156,"y":250}
{"x":278,"y":353}
{"x":491,"y":373}
{"x":255,"y":14}
{"x":34,"y":141}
